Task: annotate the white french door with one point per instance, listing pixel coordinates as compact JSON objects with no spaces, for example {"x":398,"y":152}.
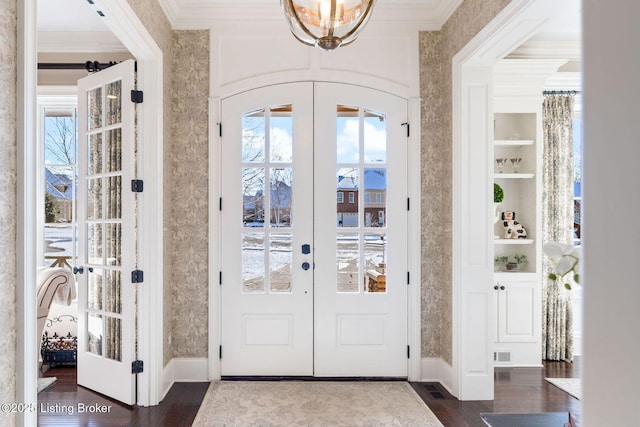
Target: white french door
{"x":314,"y":232}
{"x":106,"y":235}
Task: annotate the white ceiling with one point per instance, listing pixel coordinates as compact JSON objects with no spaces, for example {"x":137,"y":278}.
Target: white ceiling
{"x":74,"y":25}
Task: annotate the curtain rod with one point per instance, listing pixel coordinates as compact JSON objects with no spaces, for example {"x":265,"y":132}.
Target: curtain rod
{"x":560,"y":92}
{"x":90,"y":66}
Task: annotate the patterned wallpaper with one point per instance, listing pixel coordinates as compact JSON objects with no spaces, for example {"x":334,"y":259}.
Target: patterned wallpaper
{"x":8,"y":213}
{"x":189,"y":172}
{"x":436,"y":52}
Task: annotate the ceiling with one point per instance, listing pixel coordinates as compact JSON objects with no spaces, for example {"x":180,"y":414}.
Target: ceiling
{"x":74,"y":25}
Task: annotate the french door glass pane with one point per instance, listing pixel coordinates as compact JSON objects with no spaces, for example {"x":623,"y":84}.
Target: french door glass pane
{"x":94,"y":334}
{"x":375,"y":137}
{"x":253,"y":197}
{"x":280,"y":131}
{"x":280,"y":262}
{"x":94,"y":198}
{"x":253,"y":262}
{"x":348,"y":134}
{"x":347,"y":199}
{"x":94,"y":103}
{"x":113,"y":147}
{"x":280,"y":196}
{"x":94,"y":243}
{"x":348,"y":262}
{"x":375,"y":191}
{"x":113,"y":338}
{"x":253,"y":137}
{"x":94,"y":293}
{"x":113,"y":196}
{"x":375,"y":255}
{"x":113,"y":101}
{"x":113,"y":279}
{"x":113,"y":243}
{"x":95,"y":154}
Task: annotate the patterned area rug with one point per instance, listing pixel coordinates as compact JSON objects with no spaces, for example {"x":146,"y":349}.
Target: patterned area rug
{"x":313,"y":403}
{"x":573,"y":386}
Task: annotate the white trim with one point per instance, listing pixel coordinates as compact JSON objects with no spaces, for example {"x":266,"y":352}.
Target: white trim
{"x":192,"y":15}
{"x":184,"y":369}
{"x":506,"y":31}
{"x":79,"y":41}
{"x":414,"y":240}
{"x":435,"y":369}
{"x":26,"y":122}
{"x":215,"y":304}
{"x":123,"y":21}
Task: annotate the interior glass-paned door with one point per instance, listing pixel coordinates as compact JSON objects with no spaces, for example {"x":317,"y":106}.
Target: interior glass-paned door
{"x":106,"y":329}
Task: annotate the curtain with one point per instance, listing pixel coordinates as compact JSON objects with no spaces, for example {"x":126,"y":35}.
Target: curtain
{"x":557,"y":221}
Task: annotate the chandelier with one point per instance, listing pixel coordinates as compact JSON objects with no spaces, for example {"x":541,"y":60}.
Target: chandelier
{"x":327,"y":24}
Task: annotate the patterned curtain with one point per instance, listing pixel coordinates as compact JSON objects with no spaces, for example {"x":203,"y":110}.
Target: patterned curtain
{"x":557,"y":221}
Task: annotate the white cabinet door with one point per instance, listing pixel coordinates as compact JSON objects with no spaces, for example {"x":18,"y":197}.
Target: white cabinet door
{"x":518,"y":311}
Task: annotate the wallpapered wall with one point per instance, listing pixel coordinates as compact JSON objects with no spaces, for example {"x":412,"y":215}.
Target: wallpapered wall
{"x":436,"y":52}
{"x":186,"y":133}
{"x":189,"y":172}
{"x":8,"y":214}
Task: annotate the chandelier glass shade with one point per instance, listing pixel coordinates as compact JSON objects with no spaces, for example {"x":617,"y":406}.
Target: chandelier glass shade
{"x":327,"y":24}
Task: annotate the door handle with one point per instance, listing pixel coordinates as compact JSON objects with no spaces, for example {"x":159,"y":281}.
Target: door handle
{"x":80,"y":270}
{"x":306,"y":265}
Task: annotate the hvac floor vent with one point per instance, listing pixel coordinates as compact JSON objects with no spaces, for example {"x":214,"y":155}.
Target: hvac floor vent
{"x":502,"y":356}
{"x":434,"y":391}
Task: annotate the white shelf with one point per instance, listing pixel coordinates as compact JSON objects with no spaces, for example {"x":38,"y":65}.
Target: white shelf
{"x":513,"y":175}
{"x":513,"y":241}
{"x":512,"y":142}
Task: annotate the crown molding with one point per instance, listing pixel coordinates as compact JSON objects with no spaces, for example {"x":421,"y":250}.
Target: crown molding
{"x":523,"y":77}
{"x":79,"y":41}
{"x":423,"y":15}
{"x":548,"y":49}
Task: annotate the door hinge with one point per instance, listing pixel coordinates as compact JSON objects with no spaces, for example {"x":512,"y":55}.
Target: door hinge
{"x":137,"y":96}
{"x":220,"y":352}
{"x":408,"y":128}
{"x":137,"y":367}
{"x":137,"y":276}
{"x":408,"y":352}
{"x":137,"y":185}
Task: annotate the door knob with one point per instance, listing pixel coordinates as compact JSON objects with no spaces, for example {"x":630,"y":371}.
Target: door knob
{"x":306,"y":265}
{"x":78,"y":270}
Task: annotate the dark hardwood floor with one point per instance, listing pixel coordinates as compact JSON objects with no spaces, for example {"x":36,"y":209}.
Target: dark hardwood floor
{"x":516,"y":390}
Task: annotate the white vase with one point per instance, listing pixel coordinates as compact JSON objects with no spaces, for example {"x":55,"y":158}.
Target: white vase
{"x":496,"y":216}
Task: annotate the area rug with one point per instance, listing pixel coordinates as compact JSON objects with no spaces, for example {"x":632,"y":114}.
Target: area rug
{"x":44,"y":383}
{"x":313,"y":403}
{"x":573,"y":386}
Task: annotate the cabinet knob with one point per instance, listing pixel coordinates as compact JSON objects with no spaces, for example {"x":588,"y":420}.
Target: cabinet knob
{"x":496,"y":287}
{"x":502,"y":288}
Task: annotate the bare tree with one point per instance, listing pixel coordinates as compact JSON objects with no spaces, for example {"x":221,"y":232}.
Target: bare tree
{"x":60,"y":139}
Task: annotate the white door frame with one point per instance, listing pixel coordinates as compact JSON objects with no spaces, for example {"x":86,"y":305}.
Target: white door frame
{"x":125,"y":24}
{"x":473,"y":311}
{"x":413,"y":239}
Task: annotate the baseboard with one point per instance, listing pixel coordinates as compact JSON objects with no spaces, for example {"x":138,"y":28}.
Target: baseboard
{"x":434,"y":369}
{"x":184,"y":369}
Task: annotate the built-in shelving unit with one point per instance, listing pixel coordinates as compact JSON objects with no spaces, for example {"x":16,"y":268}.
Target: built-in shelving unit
{"x":517,"y":160}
